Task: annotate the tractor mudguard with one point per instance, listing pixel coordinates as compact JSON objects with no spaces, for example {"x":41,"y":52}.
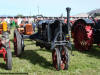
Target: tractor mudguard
{"x":86,"y":21}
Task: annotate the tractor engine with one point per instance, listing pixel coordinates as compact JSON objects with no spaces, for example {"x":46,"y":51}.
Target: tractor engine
{"x":47,"y":29}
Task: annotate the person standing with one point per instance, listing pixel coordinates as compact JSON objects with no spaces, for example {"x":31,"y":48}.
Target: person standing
{"x":19,"y":21}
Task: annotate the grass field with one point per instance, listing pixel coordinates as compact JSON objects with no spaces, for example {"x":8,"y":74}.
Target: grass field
{"x":38,"y":61}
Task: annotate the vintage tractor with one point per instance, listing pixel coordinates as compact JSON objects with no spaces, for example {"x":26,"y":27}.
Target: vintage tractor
{"x":51,"y":35}
{"x":86,"y":32}
{"x":5,"y":45}
{"x":25,"y":28}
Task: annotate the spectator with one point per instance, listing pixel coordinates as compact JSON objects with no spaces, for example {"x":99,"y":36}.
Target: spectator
{"x":19,"y":21}
{"x":34,"y":25}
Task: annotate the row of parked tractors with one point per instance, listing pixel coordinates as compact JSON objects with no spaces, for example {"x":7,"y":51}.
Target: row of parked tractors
{"x":54,"y":35}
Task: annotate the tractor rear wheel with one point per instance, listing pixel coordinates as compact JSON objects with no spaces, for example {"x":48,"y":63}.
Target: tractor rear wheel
{"x":18,"y":43}
{"x":56,"y":58}
{"x":82,"y":34}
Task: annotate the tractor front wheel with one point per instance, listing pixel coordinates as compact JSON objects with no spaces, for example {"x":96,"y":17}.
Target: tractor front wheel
{"x":64,"y":58}
{"x":9,"y":59}
{"x":56,"y":58}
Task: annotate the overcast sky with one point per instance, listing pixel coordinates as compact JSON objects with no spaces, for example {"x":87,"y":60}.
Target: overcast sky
{"x":46,"y":7}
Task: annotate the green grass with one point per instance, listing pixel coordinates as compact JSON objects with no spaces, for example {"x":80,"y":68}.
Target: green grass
{"x":38,"y":61}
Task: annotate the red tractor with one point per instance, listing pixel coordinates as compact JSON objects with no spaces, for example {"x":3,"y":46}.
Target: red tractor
{"x":86,"y":32}
{"x":5,"y":45}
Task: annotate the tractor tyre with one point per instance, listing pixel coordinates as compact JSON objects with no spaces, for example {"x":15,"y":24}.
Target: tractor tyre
{"x":56,"y":58}
{"x":18,"y":43}
{"x":82,"y":34}
{"x":9,"y":59}
{"x":64,"y":58}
